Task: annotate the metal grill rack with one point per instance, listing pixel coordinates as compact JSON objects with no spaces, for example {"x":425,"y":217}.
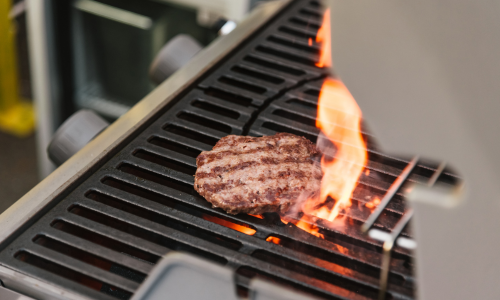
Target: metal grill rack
{"x":103,"y":238}
{"x":295,"y":112}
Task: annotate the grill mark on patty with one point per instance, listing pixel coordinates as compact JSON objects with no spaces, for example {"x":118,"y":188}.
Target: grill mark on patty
{"x":209,"y":158}
{"x":284,"y":177}
{"x":213,"y":173}
{"x":288,"y":175}
{"x":283,"y":148}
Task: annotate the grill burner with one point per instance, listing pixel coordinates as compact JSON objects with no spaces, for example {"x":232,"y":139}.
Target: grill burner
{"x":104,"y":237}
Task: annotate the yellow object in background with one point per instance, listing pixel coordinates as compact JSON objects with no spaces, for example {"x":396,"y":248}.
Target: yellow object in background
{"x":16,"y":116}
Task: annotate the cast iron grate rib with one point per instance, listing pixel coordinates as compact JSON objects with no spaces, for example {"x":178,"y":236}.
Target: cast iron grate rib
{"x":104,"y":236}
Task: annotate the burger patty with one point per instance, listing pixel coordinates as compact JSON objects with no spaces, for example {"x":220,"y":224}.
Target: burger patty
{"x":254,"y":175}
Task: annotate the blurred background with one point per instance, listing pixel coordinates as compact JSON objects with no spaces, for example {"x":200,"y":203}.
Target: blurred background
{"x":60,"y":56}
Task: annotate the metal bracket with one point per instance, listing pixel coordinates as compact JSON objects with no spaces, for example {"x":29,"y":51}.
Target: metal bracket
{"x":390,"y":239}
{"x":183,"y":276}
{"x":6,"y":294}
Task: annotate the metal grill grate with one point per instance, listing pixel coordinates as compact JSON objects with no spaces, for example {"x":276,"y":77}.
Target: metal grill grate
{"x":105,"y":236}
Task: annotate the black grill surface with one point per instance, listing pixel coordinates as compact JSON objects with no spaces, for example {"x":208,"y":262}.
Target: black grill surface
{"x":104,"y":237}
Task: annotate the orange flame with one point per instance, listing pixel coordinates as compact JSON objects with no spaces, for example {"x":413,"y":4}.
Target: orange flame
{"x":324,"y":36}
{"x":237,"y":227}
{"x":339,"y":119}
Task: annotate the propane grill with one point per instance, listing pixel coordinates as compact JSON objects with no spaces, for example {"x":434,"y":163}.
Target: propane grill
{"x":101,"y":236}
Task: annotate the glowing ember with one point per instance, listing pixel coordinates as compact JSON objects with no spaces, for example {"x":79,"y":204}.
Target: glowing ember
{"x":372,"y":204}
{"x":310,"y":41}
{"x":257,"y":216}
{"x":323,"y":36}
{"x":367,"y":172}
{"x":339,"y":119}
{"x":342,"y":250}
{"x":311,"y":228}
{"x":274,"y":240}
{"x":237,"y":227}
